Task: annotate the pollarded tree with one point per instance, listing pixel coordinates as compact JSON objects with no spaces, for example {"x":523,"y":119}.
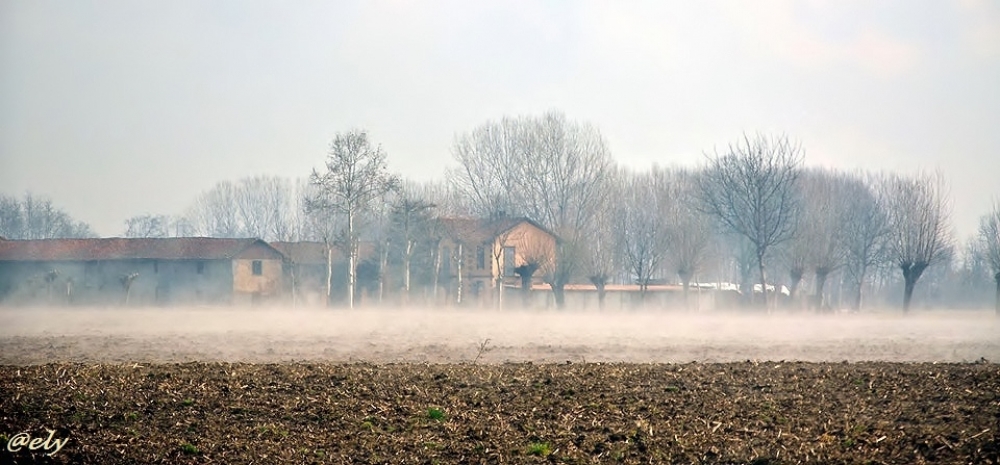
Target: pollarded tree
{"x":127,"y":281}
{"x":989,"y":235}
{"x":751,"y":191}
{"x":742,"y":261}
{"x":600,"y":257}
{"x":866,"y":231}
{"x":355,"y":176}
{"x":822,"y":224}
{"x":795,"y":255}
{"x":537,"y":257}
{"x":641,"y":231}
{"x":919,"y":236}
{"x":689,"y":231}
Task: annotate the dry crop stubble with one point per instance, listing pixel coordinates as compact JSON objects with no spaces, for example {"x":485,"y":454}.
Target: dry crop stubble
{"x":773,"y":412}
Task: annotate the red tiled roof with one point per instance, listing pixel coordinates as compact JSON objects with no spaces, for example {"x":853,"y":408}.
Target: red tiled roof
{"x":117,"y":248}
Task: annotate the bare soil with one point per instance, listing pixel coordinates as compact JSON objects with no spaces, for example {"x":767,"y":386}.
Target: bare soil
{"x":407,"y":386}
{"x":759,"y":413}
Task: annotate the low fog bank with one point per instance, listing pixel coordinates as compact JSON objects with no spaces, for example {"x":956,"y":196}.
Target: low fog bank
{"x":32,"y":335}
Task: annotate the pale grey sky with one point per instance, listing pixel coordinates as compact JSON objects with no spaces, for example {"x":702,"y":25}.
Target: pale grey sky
{"x":118,"y":108}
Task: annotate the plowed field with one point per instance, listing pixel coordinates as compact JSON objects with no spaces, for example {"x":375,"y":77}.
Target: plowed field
{"x":207,"y":387}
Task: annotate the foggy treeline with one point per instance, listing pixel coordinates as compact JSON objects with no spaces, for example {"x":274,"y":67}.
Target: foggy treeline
{"x":752,"y":214}
{"x":34,"y":217}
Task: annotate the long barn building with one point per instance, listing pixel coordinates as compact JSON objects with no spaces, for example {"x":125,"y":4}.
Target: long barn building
{"x":148,"y":271}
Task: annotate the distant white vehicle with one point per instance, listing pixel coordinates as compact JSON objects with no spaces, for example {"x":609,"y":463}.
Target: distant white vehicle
{"x":720,"y":286}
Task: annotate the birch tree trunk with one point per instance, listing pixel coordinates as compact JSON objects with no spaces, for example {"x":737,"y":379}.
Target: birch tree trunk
{"x":329,"y":271}
{"x":458,"y":293}
{"x":351,"y":258}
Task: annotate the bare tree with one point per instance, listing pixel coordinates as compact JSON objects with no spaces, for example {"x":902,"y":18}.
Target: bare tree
{"x":565,"y":190}
{"x":147,"y":226}
{"x":547,"y":168}
{"x":182,"y":227}
{"x":989,"y":236}
{"x":918,"y":210}
{"x":11,"y":220}
{"x":821,"y":232}
{"x":376,"y":223}
{"x":355,"y":176}
{"x":491,"y":160}
{"x":742,"y":262}
{"x":751,"y":191}
{"x":500,"y":233}
{"x":411,"y":216}
{"x":795,"y":255}
{"x":866,"y":231}
{"x":973,"y":277}
{"x":434,"y":233}
{"x":264,"y":207}
{"x":214,"y":212}
{"x":445,"y":195}
{"x":248,"y":195}
{"x":601,"y":248}
{"x":689,"y":230}
{"x":326,"y":226}
{"x":641,"y":230}
{"x":34,"y":217}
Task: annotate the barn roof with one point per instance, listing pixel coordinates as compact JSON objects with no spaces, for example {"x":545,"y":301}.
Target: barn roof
{"x":117,"y":248}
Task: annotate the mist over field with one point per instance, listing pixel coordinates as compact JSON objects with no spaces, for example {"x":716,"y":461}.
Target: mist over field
{"x":33,"y":335}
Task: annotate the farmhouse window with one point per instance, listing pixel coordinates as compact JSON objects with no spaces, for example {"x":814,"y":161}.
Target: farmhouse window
{"x":480,"y":257}
{"x":508,"y":261}
{"x":446,"y":261}
{"x":258,"y":268}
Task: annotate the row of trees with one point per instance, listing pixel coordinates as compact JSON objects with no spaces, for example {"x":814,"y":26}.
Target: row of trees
{"x":755,"y":199}
{"x":33,"y":217}
{"x":752,"y":214}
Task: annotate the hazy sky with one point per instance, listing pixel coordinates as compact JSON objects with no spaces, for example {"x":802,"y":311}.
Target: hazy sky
{"x":114,"y":109}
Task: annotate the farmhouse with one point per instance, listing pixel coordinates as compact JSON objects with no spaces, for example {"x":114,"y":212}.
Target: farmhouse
{"x":477,"y":255}
{"x":148,"y":271}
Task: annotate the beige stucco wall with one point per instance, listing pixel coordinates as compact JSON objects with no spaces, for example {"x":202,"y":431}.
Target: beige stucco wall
{"x":528,"y":242}
{"x":246,"y":284}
